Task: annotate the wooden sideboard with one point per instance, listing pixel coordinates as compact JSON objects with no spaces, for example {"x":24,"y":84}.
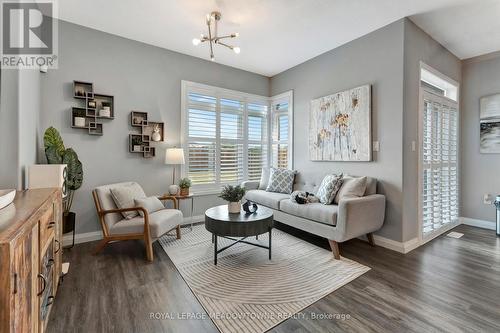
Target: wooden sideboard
{"x":30,"y":259}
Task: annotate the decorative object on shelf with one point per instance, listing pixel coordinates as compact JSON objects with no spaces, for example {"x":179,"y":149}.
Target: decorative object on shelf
{"x":156,"y":136}
{"x":212,"y":20}
{"x":96,"y":106}
{"x":340,"y":126}
{"x":136,"y":144}
{"x":174,"y":156}
{"x":489,"y":122}
{"x":184,"y":184}
{"x":151,"y":131}
{"x":233,"y":195}
{"x":250,"y":207}
{"x":57,"y":153}
{"x":6,"y":197}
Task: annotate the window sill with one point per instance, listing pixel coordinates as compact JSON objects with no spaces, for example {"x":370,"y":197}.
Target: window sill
{"x":201,"y":193}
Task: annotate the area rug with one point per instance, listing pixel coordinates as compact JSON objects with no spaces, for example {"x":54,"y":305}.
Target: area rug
{"x":247,"y":292}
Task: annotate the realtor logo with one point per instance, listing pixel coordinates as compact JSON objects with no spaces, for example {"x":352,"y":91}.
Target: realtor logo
{"x":29,"y":34}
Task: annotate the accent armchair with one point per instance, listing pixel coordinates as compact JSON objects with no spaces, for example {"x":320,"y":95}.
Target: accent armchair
{"x":148,"y":227}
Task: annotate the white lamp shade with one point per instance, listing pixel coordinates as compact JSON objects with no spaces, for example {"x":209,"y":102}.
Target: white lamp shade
{"x":174,"y":156}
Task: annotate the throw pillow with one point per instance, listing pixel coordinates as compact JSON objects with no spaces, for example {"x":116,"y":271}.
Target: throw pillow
{"x":352,"y":187}
{"x":264,"y":179}
{"x":280,"y":180}
{"x":124,"y":196}
{"x":151,"y":204}
{"x":328,"y":189}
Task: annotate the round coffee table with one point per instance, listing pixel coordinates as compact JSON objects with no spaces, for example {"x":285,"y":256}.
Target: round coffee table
{"x":221,"y":223}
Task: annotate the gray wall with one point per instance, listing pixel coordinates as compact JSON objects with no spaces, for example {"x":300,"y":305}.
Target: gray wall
{"x":479,"y":172}
{"x":141,"y":77}
{"x":19,"y":112}
{"x":377,"y":59}
{"x":418,"y":46}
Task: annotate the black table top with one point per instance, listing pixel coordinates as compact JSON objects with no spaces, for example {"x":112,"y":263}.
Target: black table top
{"x":221,"y":213}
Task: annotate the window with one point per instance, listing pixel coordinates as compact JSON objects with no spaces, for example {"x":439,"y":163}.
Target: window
{"x":225,"y":135}
{"x":438,"y":159}
{"x":281,"y":144}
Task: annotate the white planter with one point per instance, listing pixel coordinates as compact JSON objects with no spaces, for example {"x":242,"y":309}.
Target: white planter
{"x":234,"y":207}
{"x":137,"y":148}
{"x":105,"y":112}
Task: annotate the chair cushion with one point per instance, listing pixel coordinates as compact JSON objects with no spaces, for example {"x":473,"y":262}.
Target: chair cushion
{"x":124,"y":196}
{"x":328,"y":189}
{"x":160,"y":222}
{"x":312,"y":211}
{"x":281,"y":180}
{"x":151,"y":204}
{"x":351,"y":187}
{"x":268,"y":199}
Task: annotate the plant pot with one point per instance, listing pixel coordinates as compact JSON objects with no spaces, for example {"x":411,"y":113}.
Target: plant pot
{"x":68,"y":222}
{"x":234,"y":207}
{"x":79,"y":121}
{"x":184,"y":191}
{"x":137,"y":148}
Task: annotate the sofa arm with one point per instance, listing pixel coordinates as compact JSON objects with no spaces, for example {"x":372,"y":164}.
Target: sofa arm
{"x":250,"y":185}
{"x":358,"y":216}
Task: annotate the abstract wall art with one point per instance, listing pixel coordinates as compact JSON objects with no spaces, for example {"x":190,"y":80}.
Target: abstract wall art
{"x":489,"y":122}
{"x":340,"y":126}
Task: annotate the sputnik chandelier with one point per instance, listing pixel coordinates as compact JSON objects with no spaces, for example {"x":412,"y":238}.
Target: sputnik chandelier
{"x":212,"y":37}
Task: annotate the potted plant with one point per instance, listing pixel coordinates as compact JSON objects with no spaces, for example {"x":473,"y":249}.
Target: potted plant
{"x":184,"y":184}
{"x":79,"y":120}
{"x":56,"y":153}
{"x":136,"y":143}
{"x":233,"y":195}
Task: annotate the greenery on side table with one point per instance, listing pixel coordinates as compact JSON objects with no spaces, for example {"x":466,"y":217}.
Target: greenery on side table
{"x":184,"y":184}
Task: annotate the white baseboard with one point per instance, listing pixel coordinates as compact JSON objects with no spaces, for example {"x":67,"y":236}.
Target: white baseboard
{"x":82,"y":237}
{"x":401,"y":247}
{"x":478,"y":223}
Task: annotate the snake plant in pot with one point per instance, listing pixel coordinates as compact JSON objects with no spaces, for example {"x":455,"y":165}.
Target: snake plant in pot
{"x":56,"y":153}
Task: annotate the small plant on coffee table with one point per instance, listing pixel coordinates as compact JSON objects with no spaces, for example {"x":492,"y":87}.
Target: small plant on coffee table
{"x":233,"y":195}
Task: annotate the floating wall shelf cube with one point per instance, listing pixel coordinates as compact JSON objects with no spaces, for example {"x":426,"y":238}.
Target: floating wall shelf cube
{"x":93,"y":108}
{"x":141,"y":142}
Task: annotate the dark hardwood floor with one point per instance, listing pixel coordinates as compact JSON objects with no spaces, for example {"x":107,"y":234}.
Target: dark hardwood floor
{"x":447,"y":285}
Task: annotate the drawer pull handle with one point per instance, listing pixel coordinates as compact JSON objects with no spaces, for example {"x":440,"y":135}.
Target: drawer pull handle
{"x":51,"y":225}
{"x":58,"y":245}
{"x":50,"y":300}
{"x":44,"y":283}
{"x":50,"y":262}
{"x":15,"y":283}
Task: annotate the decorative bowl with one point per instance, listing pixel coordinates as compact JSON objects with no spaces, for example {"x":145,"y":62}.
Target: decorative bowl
{"x":6,"y":197}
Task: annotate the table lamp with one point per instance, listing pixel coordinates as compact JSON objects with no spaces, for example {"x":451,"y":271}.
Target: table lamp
{"x":174,"y":156}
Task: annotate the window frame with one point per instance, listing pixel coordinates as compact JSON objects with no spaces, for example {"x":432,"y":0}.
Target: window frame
{"x":288,"y":97}
{"x":217,"y":92}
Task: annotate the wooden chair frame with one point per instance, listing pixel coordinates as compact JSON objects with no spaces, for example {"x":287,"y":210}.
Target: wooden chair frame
{"x":145,"y":235}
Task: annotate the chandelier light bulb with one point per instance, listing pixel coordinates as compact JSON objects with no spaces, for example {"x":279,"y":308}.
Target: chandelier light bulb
{"x":196,"y":41}
{"x":212,"y":58}
{"x":236,"y":34}
{"x":236,"y":50}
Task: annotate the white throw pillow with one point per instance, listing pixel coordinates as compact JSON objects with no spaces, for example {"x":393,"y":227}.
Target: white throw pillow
{"x":328,"y":189}
{"x":151,"y":204}
{"x":264,"y":179}
{"x":351,"y":187}
{"x":124,"y":196}
{"x":281,"y":180}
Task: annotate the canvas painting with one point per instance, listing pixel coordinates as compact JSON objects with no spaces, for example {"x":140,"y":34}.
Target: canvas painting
{"x":340,"y":126}
{"x":489,"y":119}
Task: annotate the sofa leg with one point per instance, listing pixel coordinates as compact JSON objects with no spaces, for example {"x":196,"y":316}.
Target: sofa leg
{"x":178,"y":231}
{"x":335,"y":249}
{"x":370,"y":239}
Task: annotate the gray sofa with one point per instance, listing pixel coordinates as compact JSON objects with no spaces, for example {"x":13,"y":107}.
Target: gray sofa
{"x":351,"y":218}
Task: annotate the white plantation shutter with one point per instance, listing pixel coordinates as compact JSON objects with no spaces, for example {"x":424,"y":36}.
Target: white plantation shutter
{"x":225,"y":135}
{"x":280,"y":135}
{"x":439,"y":183}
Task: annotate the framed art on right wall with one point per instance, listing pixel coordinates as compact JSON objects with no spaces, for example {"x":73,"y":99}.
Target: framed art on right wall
{"x":489,"y":122}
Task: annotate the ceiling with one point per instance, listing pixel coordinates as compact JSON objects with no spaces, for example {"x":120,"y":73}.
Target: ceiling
{"x":278,"y":34}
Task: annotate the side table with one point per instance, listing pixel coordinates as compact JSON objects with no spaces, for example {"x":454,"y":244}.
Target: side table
{"x":185,"y":197}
